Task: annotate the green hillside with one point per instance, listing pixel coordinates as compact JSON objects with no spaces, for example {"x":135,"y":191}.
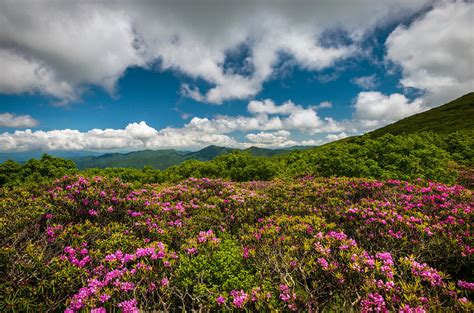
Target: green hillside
{"x":162,"y":159}
{"x":457,"y":115}
{"x":207,"y":153}
{"x":159,"y":159}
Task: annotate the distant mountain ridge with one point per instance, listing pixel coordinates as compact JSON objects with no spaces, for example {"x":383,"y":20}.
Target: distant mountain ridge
{"x":162,"y":159}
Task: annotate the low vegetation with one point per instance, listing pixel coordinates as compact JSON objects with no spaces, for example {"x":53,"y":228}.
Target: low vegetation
{"x":375,"y":223}
{"x":307,"y":244}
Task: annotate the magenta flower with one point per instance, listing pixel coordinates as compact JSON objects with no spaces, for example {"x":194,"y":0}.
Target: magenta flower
{"x":239,"y":298}
{"x":220,"y":300}
{"x":129,"y":306}
{"x":104,"y":297}
{"x":465,"y":285}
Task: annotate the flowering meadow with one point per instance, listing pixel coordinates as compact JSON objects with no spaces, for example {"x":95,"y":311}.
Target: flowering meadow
{"x":311,"y":244}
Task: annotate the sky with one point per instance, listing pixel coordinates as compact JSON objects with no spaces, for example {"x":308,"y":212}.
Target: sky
{"x":133,"y":75}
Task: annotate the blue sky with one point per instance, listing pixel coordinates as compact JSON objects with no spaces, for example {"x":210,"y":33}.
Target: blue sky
{"x":225,"y":77}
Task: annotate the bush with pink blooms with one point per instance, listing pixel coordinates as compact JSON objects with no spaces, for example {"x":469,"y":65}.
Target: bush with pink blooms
{"x":335,"y":244}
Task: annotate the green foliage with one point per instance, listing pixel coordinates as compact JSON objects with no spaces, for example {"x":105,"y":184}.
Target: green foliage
{"x":162,"y":159}
{"x":336,"y":244}
{"x":35,"y":171}
{"x":424,"y":155}
{"x":215,"y":269}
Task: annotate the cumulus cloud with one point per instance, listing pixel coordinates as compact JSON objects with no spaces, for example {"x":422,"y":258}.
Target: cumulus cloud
{"x":325,"y":105}
{"x":278,"y":137}
{"x":436,"y":53}
{"x":17,"y":121}
{"x":265,"y":115}
{"x":55,"y":49}
{"x":267,"y":125}
{"x":366,"y":82}
{"x":59,"y":49}
{"x":334,"y":137}
{"x":374,"y":109}
{"x":133,"y":136}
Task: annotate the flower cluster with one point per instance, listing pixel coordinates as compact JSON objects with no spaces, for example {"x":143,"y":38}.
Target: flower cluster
{"x":308,"y":244}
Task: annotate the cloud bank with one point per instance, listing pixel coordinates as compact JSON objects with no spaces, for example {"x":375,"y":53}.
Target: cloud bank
{"x":59,"y":49}
{"x":436,"y":52}
{"x":266,"y":125}
{"x":17,"y":121}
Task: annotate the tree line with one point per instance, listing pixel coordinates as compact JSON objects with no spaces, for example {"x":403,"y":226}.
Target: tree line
{"x":424,"y":155}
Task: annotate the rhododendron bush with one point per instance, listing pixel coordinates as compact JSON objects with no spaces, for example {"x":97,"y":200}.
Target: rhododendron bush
{"x":311,"y":244}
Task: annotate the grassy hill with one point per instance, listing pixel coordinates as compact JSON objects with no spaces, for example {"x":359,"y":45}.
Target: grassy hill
{"x":456,"y":115}
{"x":160,"y":159}
{"x":207,"y":153}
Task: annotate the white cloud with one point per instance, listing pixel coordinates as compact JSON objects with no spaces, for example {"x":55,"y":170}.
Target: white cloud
{"x":278,"y":137}
{"x":20,"y":74}
{"x":334,"y":137}
{"x":374,"y":109}
{"x":325,"y":105}
{"x":366,"y":82}
{"x":134,"y":136}
{"x":436,"y":52}
{"x":59,"y":49}
{"x":266,"y":115}
{"x":56,"y":48}
{"x":273,"y":123}
{"x":17,"y":121}
{"x":269,"y":107}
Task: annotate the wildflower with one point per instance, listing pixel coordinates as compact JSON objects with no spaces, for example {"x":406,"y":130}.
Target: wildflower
{"x":129,"y":306}
{"x":239,"y":298}
{"x":324,"y":264}
{"x":374,"y":303}
{"x":465,"y":285}
{"x":220,"y":300}
{"x":126,"y":286}
{"x":104,"y":297}
{"x":246,"y":253}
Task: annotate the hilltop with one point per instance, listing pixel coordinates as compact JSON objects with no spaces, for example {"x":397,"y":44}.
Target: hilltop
{"x":457,"y":115}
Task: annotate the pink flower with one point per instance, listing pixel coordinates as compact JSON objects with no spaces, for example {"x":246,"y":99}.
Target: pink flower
{"x":129,"y":306}
{"x":104,"y":297}
{"x":220,"y":300}
{"x":127,"y":286}
{"x":151,"y":287}
{"x":239,"y":298}
{"x":191,"y":250}
{"x":463,"y":300}
{"x":324,"y":264}
{"x":93,"y":212}
{"x":246,"y":253}
{"x":465,"y":285}
{"x":373,"y":303}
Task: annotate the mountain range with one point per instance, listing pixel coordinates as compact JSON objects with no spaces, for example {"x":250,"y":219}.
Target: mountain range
{"x":161,"y":159}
